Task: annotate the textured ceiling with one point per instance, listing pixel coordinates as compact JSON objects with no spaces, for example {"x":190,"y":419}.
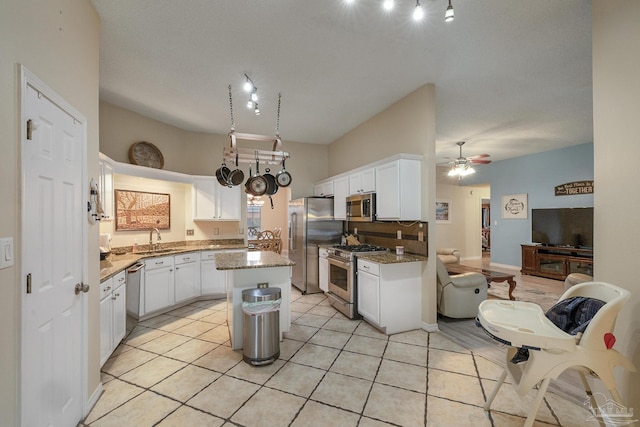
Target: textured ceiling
{"x":512,"y":77}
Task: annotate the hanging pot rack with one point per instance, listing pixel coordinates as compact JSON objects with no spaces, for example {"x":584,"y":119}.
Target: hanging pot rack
{"x":251,"y":155}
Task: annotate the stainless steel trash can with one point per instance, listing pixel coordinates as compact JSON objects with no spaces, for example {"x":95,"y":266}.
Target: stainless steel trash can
{"x":261,"y":325}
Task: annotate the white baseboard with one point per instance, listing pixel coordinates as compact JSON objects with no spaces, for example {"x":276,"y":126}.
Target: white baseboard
{"x":430,"y":327}
{"x":510,"y":267}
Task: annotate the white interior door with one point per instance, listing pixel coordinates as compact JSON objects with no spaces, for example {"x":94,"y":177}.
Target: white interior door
{"x":52,"y":314}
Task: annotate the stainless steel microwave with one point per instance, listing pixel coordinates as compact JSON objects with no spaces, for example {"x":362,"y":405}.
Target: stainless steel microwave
{"x":361,"y":207}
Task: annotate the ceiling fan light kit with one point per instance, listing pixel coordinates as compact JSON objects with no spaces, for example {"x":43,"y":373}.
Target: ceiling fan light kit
{"x":462,"y":166}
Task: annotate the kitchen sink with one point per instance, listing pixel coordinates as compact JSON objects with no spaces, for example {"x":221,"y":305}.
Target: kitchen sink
{"x":157,"y":251}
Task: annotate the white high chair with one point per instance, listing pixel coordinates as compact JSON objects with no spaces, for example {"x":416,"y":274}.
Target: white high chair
{"x":552,"y":351}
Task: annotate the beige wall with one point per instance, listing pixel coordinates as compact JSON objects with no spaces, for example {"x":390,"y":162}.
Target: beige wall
{"x":57,"y":40}
{"x":616,"y":105}
{"x":464,"y":230}
{"x":201,"y":153}
{"x":408,"y":126}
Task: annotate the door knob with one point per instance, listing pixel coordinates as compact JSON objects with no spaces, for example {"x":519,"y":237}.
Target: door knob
{"x":81,"y":287}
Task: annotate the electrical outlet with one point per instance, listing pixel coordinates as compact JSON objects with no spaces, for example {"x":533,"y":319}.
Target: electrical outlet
{"x":399,"y":234}
{"x":355,"y":230}
{"x":216,"y":231}
{"x":420,"y":236}
{"x":190,"y":232}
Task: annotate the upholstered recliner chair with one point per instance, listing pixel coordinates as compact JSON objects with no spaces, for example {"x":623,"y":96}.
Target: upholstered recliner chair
{"x":449,"y":255}
{"x":459,"y":295}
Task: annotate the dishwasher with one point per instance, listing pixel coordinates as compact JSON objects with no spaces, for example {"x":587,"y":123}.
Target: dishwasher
{"x":134,"y":278}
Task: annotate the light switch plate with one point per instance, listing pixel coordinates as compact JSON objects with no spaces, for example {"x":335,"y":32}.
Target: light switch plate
{"x":6,"y":252}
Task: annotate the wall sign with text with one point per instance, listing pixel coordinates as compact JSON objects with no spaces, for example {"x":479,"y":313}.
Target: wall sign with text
{"x":574,"y":188}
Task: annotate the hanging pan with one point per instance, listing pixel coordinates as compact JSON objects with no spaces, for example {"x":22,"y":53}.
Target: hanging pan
{"x":222,"y":174}
{"x":257,"y":184}
{"x":283,"y":177}
{"x":236,"y":176}
{"x":272,"y":185}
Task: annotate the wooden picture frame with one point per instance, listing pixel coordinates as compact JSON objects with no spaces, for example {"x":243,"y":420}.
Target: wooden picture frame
{"x":138,"y":210}
{"x":443,"y":211}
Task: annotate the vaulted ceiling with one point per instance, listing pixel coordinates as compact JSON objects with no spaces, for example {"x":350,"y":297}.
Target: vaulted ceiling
{"x":512,"y":77}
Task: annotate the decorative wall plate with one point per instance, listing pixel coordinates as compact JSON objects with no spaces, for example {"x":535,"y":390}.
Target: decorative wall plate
{"x":146,"y":154}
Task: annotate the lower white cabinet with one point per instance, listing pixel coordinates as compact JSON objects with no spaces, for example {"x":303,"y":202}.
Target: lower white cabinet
{"x":158,"y":284}
{"x":187,"y":276}
{"x":113,"y":314}
{"x":212,"y":281}
{"x":389,"y":295}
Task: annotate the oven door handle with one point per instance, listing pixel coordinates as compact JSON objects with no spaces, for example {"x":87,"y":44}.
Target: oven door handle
{"x":339,"y":262}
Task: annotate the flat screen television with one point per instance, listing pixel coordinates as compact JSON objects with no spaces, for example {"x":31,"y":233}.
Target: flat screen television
{"x":563,"y":227}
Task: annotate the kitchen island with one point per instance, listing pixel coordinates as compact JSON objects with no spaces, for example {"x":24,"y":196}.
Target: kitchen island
{"x":245,"y":271}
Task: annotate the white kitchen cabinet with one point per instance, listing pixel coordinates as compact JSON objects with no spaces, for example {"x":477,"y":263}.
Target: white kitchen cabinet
{"x":323,"y":189}
{"x":368,"y":293}
{"x":340,"y":193}
{"x":398,"y":190}
{"x":113,"y":315}
{"x":389,"y":295}
{"x":363,"y":181}
{"x":212,"y":281}
{"x":158,"y":284}
{"x":323,"y":269}
{"x":105,"y":187}
{"x":214,"y":202}
{"x":187,"y":276}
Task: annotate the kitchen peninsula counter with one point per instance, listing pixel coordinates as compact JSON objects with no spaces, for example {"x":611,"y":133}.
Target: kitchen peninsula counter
{"x":392,"y":258}
{"x":245,"y":271}
{"x":115,"y":263}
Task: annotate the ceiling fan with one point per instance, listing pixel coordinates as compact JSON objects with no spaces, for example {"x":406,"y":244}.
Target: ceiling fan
{"x":462,"y":166}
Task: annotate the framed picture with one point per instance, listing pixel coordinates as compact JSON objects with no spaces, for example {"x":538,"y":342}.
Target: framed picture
{"x":514,"y":206}
{"x":443,"y":211}
{"x":137,"y":210}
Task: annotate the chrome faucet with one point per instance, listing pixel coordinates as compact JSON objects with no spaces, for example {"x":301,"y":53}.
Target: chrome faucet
{"x":151,"y":237}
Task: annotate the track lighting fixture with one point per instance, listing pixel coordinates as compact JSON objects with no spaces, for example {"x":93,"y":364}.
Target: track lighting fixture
{"x":418,"y":12}
{"x":448,"y":14}
{"x":253,"y":96}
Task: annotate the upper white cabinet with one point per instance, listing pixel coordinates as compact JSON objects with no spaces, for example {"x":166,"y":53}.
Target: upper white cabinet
{"x":105,"y":187}
{"x":340,"y":193}
{"x":363,"y":181}
{"x":323,"y":189}
{"x":214,"y":202}
{"x":398,"y":188}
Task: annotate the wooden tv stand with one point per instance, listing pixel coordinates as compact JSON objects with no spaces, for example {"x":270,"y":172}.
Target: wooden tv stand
{"x":556,"y":262}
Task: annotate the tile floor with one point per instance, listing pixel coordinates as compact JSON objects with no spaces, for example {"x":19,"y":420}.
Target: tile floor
{"x":177,"y":369}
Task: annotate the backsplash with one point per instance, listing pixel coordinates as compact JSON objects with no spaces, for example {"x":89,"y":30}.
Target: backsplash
{"x":385,"y":233}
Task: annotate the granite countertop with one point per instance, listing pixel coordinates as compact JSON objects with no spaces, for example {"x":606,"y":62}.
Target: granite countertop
{"x":251,"y":259}
{"x":392,"y":258}
{"x":116,"y":263}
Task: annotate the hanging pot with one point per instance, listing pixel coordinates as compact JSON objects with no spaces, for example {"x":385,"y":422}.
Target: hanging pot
{"x":257,"y":184}
{"x":236,"y":176}
{"x":283,"y":177}
{"x":223,"y":175}
{"x":272,"y":185}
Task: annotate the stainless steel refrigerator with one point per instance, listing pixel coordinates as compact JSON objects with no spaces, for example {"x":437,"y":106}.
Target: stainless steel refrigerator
{"x":311,"y":224}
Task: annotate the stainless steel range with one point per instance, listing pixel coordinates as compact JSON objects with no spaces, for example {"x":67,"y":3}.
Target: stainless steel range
{"x":343,"y":288}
